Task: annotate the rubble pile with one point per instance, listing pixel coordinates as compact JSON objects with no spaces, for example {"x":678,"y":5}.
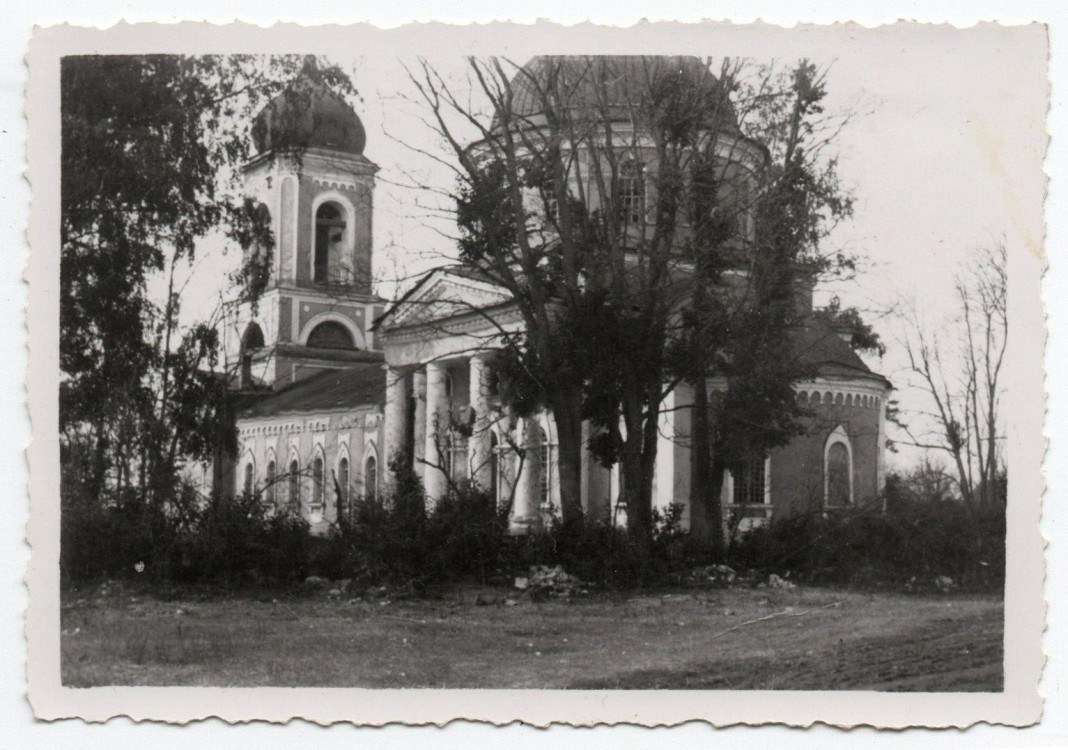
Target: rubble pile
{"x":550,"y":580}
{"x":777,"y":582}
{"x":719,"y":576}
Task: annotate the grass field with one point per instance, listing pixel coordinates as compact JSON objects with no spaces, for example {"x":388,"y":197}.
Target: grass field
{"x":809,"y":639}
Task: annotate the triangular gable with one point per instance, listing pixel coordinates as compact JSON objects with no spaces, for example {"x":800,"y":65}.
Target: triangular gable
{"x":440,"y":295}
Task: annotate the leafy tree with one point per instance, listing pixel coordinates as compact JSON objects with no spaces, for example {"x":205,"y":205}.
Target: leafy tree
{"x":612,"y":210}
{"x":744,"y":340}
{"x":151,"y":146}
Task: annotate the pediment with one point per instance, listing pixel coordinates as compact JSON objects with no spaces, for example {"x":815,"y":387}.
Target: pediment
{"x":442,"y":296}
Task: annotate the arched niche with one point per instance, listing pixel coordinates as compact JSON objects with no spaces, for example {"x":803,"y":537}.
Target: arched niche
{"x":838,"y":469}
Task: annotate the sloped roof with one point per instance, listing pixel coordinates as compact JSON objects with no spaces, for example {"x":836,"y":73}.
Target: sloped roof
{"x":820,"y":347}
{"x":456,"y":270}
{"x":331,"y":390}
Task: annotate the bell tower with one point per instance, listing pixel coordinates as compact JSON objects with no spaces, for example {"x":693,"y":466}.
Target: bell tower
{"x":311,"y":176}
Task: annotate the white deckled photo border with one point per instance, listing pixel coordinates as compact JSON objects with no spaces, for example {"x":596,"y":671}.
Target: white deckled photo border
{"x":1018,"y":705}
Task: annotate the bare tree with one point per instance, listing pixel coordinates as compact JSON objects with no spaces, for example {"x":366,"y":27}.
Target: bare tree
{"x":959,"y":368}
{"x":606,"y":196}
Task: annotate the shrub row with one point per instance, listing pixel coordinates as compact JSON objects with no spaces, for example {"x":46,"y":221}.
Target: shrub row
{"x":465,"y":537}
{"x":913,"y":544}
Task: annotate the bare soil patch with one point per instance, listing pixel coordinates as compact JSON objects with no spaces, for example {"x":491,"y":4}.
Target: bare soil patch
{"x":801,"y":639}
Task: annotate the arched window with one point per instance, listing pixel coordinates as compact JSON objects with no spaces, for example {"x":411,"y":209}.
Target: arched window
{"x":331,"y":335}
{"x":329,"y":239}
{"x":271,"y":494}
{"x":246,"y":485}
{"x":370,"y":478}
{"x":251,"y":342}
{"x":317,"y":483}
{"x":631,"y":192}
{"x":838,"y":470}
{"x":544,"y":465}
{"x":294,"y":486}
{"x":253,"y":338}
{"x":342,"y":486}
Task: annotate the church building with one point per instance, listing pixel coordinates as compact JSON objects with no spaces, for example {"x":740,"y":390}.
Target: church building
{"x":336,"y":385}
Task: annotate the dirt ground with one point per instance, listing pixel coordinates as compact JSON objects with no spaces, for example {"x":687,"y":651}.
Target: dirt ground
{"x":801,"y":639}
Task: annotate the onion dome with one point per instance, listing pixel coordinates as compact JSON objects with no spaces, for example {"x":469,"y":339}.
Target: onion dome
{"x":308,"y":115}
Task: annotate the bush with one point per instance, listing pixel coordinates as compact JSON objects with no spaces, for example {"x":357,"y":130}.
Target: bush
{"x":189,"y":540}
{"x":910,"y":544}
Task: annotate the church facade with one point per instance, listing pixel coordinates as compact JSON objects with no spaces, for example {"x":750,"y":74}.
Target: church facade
{"x":337,"y":386}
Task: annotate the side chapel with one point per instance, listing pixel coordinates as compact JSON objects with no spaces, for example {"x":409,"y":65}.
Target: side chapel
{"x":335,"y":384}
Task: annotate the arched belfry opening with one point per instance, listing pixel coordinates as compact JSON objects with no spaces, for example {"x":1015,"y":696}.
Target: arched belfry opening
{"x":330,"y":225}
{"x":331,"y":335}
{"x":251,"y":342}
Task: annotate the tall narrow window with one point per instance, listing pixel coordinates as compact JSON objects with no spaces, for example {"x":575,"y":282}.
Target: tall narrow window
{"x":329,"y":237}
{"x":271,"y":494}
{"x":838,"y":469}
{"x":838,"y":492}
{"x":251,"y":342}
{"x":294,"y":486}
{"x":317,"y":479}
{"x":631,"y":192}
{"x":370,"y":478}
{"x":495,"y":467}
{"x":246,"y":486}
{"x":457,"y":458}
{"x":342,"y":486}
{"x":543,"y":473}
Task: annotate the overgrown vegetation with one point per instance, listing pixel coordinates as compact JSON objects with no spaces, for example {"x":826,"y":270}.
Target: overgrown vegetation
{"x":924,"y":539}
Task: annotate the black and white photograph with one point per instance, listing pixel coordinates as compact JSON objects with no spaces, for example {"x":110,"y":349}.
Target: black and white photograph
{"x":629,"y":368}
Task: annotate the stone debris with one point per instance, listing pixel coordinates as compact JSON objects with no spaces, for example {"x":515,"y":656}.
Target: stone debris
{"x":315,"y":582}
{"x":550,"y":580}
{"x":711,"y":575}
{"x":777,"y":582}
{"x":944,"y":584}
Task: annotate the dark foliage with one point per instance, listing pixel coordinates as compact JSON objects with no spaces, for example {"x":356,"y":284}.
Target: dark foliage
{"x":230,"y":541}
{"x":911,"y":545}
{"x":151,"y":148}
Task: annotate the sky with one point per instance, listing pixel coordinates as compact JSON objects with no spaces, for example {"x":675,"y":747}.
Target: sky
{"x":942,"y":155}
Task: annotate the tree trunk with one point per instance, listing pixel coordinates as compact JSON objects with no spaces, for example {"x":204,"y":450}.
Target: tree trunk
{"x":567,"y":414}
{"x":706,"y":479}
{"x":637,"y":462}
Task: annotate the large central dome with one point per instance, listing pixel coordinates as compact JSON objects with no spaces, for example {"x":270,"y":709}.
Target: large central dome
{"x":616,"y":84}
{"x":308,"y":115}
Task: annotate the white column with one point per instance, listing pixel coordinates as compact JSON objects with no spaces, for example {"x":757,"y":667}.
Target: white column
{"x":665,"y":453}
{"x":396,"y":398}
{"x":435,"y":446}
{"x":479,"y":445}
{"x":525,"y":508}
{"x":419,"y":428}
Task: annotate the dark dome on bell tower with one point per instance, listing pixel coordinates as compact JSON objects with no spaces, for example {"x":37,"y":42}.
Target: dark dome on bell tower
{"x":307,"y":114}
